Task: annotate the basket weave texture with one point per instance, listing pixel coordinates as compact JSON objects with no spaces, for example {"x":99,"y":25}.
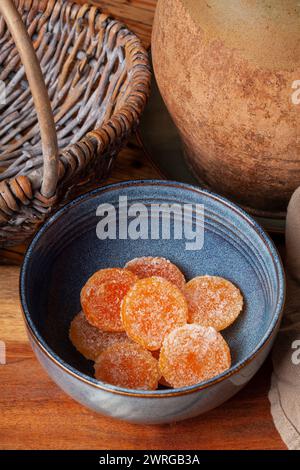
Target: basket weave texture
{"x":97,"y":76}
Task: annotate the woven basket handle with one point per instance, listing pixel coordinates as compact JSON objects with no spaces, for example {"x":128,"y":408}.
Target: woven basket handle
{"x":39,"y":93}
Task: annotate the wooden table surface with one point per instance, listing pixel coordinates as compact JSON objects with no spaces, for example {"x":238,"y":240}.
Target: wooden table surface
{"x":36,"y":414}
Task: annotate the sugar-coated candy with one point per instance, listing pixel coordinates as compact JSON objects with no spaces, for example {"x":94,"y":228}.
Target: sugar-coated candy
{"x":102,"y":295}
{"x":128,"y":365}
{"x":162,"y":380}
{"x":89,"y":340}
{"x":148,"y":266}
{"x":213,"y":301}
{"x":151,"y":309}
{"x":192,"y":354}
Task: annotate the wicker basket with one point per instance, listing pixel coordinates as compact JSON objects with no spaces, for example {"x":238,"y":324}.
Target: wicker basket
{"x":96,"y":74}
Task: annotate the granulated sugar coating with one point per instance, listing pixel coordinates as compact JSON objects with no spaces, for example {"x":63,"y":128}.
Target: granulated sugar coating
{"x":213,"y":301}
{"x":162,"y":380}
{"x":89,"y":340}
{"x":151,"y":309}
{"x":148,"y":267}
{"x":128,"y":365}
{"x":102,"y":295}
{"x":193,"y":354}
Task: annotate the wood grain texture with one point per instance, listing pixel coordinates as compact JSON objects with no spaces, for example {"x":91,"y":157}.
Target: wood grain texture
{"x":36,"y":414}
{"x":136,"y":14}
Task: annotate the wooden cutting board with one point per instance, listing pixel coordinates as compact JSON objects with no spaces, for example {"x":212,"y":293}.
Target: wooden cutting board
{"x":36,"y":414}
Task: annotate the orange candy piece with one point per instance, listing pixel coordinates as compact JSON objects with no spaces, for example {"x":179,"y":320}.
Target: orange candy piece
{"x":128,"y":365}
{"x":89,"y":340}
{"x":213,"y":301}
{"x":151,"y":309}
{"x":148,"y":267}
{"x":102,"y":295}
{"x":162,"y":380}
{"x":193,"y":354}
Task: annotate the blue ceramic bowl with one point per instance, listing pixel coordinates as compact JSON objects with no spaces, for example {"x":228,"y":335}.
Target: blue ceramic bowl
{"x":67,"y":250}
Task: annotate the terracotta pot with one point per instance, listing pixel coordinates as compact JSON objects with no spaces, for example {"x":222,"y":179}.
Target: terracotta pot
{"x":226,"y":70}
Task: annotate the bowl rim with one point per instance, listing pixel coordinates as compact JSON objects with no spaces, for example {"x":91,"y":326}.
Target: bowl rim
{"x":253,"y":225}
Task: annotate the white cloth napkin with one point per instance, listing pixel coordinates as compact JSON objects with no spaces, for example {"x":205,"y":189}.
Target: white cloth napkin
{"x":284,"y":394}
